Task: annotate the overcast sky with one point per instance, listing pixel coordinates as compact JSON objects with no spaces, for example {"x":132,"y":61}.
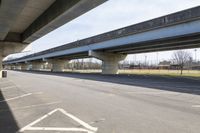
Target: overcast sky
{"x":112,"y":15}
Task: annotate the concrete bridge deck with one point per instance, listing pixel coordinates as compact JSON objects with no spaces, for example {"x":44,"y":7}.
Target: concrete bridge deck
{"x":24,"y":21}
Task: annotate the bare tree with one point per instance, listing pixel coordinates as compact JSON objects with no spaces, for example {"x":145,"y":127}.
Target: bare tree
{"x":181,"y":58}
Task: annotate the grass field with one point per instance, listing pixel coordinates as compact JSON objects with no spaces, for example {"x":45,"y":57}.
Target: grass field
{"x":186,"y":73}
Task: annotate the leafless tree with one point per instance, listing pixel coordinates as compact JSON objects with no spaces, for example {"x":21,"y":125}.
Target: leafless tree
{"x":180,"y":58}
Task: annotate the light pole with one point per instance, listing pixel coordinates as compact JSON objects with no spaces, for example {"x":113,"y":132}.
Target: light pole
{"x":195,"y":52}
{"x":145,"y":61}
{"x":157,"y":58}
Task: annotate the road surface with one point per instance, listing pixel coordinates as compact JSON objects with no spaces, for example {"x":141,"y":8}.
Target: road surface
{"x":91,"y":103}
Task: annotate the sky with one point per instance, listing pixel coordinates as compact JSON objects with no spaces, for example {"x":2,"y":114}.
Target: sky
{"x":109,"y":16}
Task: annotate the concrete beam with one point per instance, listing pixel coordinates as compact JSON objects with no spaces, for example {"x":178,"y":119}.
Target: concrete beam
{"x":59,"y":13}
{"x":11,"y":47}
{"x":109,"y":61}
{"x":13,"y":37}
{"x":9,"y":11}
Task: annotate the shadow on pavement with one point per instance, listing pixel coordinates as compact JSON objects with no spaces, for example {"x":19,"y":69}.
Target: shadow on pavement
{"x":8,"y":123}
{"x":176,"y":84}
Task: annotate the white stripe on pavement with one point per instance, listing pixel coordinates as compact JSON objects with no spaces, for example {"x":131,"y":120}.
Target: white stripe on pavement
{"x":58,"y":129}
{"x":89,"y":129}
{"x":9,"y":99}
{"x":196,"y":106}
{"x":8,"y":87}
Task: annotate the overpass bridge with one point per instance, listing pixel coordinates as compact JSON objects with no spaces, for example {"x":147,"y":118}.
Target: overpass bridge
{"x":24,"y":21}
{"x":179,"y":30}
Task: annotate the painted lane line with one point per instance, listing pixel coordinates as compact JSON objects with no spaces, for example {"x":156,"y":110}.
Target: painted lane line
{"x":14,"y":98}
{"x":32,"y":106}
{"x":152,"y":93}
{"x":89,"y":129}
{"x":36,"y":121}
{"x":196,"y":106}
{"x":78,"y":120}
{"x":58,"y":129}
{"x":8,"y":87}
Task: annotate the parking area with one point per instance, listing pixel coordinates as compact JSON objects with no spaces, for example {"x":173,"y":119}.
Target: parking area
{"x":23,"y":106}
{"x":85,"y":103}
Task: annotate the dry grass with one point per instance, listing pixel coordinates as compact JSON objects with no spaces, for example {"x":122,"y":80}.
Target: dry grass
{"x":186,"y":73}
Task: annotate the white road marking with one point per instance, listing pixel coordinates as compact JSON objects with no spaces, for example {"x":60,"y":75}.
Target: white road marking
{"x":58,"y":129}
{"x":89,"y":129}
{"x":14,"y":98}
{"x":196,"y":106}
{"x":8,"y":87}
{"x":35,"y":105}
{"x":152,"y":93}
{"x":78,"y":120}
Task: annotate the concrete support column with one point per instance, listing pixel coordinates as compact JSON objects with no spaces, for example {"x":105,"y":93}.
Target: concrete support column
{"x":24,"y":66}
{"x":18,"y":66}
{"x":1,"y":65}
{"x":58,"y":65}
{"x":36,"y":65}
{"x":109,"y":61}
{"x":8,"y":67}
{"x":12,"y":67}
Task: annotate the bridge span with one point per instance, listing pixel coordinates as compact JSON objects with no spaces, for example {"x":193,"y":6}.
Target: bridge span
{"x":24,"y":21}
{"x":179,"y":30}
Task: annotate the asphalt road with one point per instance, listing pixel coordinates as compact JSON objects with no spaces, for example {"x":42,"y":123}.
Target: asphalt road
{"x":92,"y":103}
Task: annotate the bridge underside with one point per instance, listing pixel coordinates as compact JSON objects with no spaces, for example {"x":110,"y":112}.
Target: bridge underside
{"x":24,"y":21}
{"x":171,"y":43}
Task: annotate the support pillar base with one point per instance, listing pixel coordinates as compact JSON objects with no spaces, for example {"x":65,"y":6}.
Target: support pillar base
{"x":58,"y":65}
{"x":109,"y":61}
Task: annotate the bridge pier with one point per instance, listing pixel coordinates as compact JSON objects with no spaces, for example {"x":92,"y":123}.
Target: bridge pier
{"x":1,"y":65}
{"x":18,"y":66}
{"x":37,"y":65}
{"x":8,"y":67}
{"x":12,"y":67}
{"x":109,"y":61}
{"x":58,"y":65}
{"x":24,"y":66}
